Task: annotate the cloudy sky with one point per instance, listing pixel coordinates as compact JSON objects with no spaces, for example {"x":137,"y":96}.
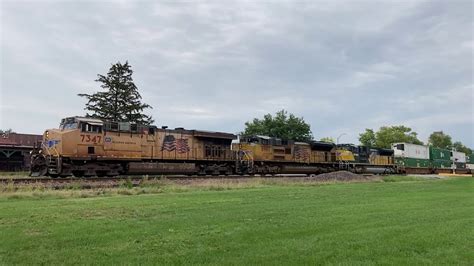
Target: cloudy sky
{"x":342,"y":65}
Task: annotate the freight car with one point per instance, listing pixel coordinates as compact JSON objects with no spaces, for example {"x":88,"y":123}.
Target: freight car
{"x":470,"y":163}
{"x":421,"y":159}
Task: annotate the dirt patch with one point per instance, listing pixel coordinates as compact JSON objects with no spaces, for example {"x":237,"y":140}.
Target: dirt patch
{"x":334,"y":176}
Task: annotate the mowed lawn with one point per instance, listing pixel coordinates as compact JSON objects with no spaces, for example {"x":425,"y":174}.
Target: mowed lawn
{"x":353,"y":223}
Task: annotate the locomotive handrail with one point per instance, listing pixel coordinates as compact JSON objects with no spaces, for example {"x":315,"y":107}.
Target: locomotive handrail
{"x":247,"y":157}
{"x":47,"y":150}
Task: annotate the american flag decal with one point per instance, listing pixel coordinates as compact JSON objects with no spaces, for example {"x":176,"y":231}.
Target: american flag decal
{"x":182,"y":145}
{"x":170,"y":143}
{"x":301,"y":153}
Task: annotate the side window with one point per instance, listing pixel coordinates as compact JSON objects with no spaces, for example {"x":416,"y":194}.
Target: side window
{"x":114,"y":126}
{"x":97,"y":129}
{"x":91,"y":128}
{"x":124,"y":126}
{"x":217,"y":151}
{"x":207,"y":151}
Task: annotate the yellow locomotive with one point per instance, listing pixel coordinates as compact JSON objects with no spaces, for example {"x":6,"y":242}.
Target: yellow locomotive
{"x":88,"y":147}
{"x":273,"y":155}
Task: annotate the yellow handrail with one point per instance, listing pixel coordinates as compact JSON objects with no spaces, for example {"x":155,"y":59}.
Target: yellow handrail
{"x":47,"y":150}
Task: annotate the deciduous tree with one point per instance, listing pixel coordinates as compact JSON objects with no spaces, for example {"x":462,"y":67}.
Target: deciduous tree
{"x":282,"y":125}
{"x":4,"y":132}
{"x":388,"y":135}
{"x":460,"y":147}
{"x":327,"y":139}
{"x":440,"y":140}
{"x":367,"y":138}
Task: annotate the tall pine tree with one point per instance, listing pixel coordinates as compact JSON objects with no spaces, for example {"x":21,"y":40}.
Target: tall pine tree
{"x":120,"y":100}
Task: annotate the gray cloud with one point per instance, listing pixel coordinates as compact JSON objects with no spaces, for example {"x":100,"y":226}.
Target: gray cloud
{"x":344,"y":66}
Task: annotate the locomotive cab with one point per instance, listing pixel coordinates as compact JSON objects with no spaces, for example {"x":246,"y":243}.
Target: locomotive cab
{"x":55,"y":140}
{"x":75,"y":137}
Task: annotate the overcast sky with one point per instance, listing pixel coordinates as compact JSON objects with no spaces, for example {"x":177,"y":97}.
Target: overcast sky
{"x":342,"y":65}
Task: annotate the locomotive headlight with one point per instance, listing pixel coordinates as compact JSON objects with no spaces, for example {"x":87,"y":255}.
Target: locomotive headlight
{"x":46,"y":135}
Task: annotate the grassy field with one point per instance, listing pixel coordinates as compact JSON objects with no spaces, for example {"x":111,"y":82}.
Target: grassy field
{"x":404,"y":221}
{"x":23,"y":174}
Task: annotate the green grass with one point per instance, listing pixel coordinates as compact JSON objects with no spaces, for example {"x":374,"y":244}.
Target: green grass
{"x":18,"y":174}
{"x":402,"y":178}
{"x":422,"y":222}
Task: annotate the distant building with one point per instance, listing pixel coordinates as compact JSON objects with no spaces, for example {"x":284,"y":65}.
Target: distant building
{"x":15,"y":150}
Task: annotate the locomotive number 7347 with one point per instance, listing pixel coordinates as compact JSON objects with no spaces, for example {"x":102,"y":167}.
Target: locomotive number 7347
{"x":90,"y":139}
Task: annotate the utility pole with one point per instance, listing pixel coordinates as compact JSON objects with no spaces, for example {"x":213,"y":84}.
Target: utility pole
{"x":453,"y":166}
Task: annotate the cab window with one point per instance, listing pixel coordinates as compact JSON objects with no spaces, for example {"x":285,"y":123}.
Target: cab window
{"x":400,"y":147}
{"x":69,"y":126}
{"x":85,"y":127}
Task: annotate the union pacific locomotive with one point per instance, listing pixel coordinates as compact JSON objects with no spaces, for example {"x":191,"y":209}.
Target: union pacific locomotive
{"x":92,"y":147}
